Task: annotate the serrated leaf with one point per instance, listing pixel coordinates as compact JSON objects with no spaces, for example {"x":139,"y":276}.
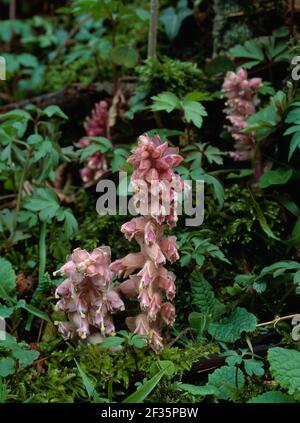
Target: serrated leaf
{"x":7,"y":367}
{"x":165,"y":101}
{"x":285,"y":368}
{"x":231,"y":328}
{"x":193,"y":112}
{"x":226,"y":380}
{"x":25,"y":355}
{"x":51,"y":111}
{"x":203,"y":296}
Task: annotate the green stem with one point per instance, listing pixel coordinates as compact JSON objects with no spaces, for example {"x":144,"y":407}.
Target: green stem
{"x":43,"y":252}
{"x":19,"y":199}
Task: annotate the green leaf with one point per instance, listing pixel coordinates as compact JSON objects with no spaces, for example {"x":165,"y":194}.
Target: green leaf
{"x":285,"y":368}
{"x":227,"y":380}
{"x":203,"y":296}
{"x":112,"y":341}
{"x":231,"y":328}
{"x":6,"y":311}
{"x":172,"y":19}
{"x":7,"y":367}
{"x":254,"y":367}
{"x":33,"y":310}
{"x":193,"y":112}
{"x":139,"y":341}
{"x":89,"y":386}
{"x":165,"y":101}
{"x":51,"y":111}
{"x":262,"y":220}
{"x":145,"y":389}
{"x":45,"y":202}
{"x":197,"y":96}
{"x":25,"y":356}
{"x":199,"y":390}
{"x":7,"y":280}
{"x":160,"y":365}
{"x":275,"y":177}
{"x":124,"y":56}
{"x":272,"y":397}
{"x":70,"y":224}
{"x":295,"y":143}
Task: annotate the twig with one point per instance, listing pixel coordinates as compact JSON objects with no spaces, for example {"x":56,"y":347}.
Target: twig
{"x":152,"y":40}
{"x":12,"y":9}
{"x":277,"y":319}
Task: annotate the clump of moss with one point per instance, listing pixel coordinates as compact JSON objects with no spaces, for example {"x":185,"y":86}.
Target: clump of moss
{"x":165,"y":74}
{"x":61,"y":381}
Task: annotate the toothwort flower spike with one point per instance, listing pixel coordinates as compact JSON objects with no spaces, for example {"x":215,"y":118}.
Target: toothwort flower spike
{"x":241,"y":94}
{"x":95,"y":126}
{"x":149,"y":281}
{"x":87,"y":296}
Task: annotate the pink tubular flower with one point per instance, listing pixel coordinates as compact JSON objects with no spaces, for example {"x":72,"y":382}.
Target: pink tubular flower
{"x":87,"y":296}
{"x":241,"y":103}
{"x":95,"y":126}
{"x":156,"y":194}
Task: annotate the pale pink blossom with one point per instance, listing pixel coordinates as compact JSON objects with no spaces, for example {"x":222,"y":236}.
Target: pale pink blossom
{"x":241,"y":94}
{"x":87,"y":296}
{"x":153,"y":180}
{"x":95,"y":166}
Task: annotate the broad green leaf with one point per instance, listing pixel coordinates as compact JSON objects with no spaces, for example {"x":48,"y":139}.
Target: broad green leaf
{"x":231,"y":328}
{"x":172,"y":19}
{"x":7,"y":366}
{"x":112,"y":341}
{"x":25,"y":356}
{"x":227,"y":380}
{"x":124,"y":56}
{"x":165,"y":101}
{"x":254,"y":367}
{"x":193,"y":112}
{"x":285,"y":368}
{"x":275,"y":177}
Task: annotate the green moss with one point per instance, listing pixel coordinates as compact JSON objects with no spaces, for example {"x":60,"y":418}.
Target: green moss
{"x":61,"y":382}
{"x":166,"y":74}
